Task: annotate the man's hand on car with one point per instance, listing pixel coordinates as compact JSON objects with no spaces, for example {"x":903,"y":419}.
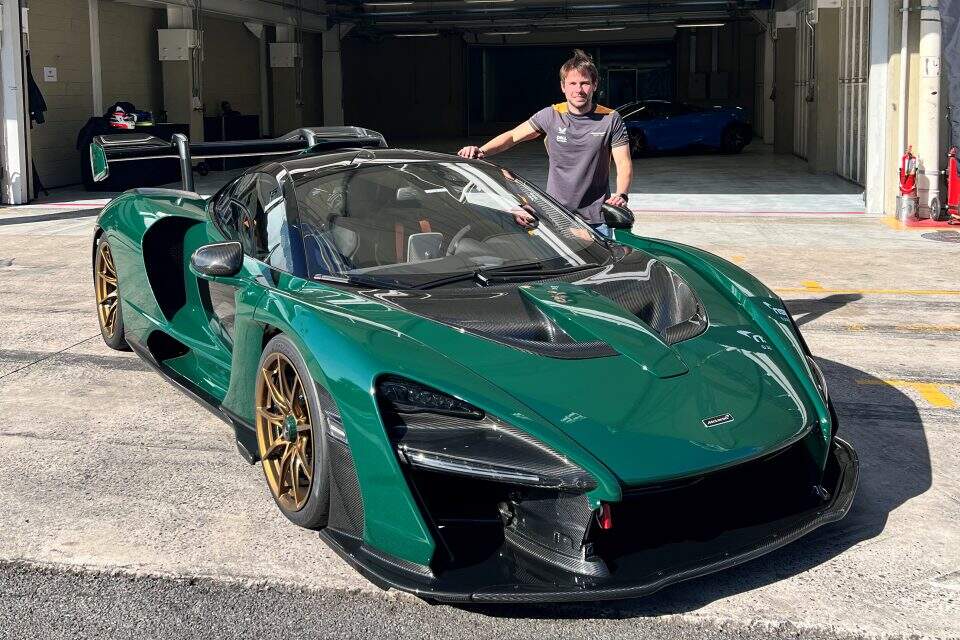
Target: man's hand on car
{"x":524,"y":218}
{"x":471,"y":153}
{"x":616,"y":200}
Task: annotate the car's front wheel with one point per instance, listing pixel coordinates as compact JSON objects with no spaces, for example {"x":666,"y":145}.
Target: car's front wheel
{"x":638,"y":144}
{"x":291,"y":435}
{"x":107,"y":288}
{"x":734,"y":139}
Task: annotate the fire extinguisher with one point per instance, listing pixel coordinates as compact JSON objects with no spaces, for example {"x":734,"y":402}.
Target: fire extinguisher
{"x":908,"y":201}
{"x":953,"y":187}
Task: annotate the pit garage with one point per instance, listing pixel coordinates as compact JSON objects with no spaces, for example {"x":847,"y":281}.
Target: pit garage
{"x":766,"y":132}
{"x":441,"y":74}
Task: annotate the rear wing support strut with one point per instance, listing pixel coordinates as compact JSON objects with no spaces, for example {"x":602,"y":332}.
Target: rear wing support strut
{"x":186,"y":161}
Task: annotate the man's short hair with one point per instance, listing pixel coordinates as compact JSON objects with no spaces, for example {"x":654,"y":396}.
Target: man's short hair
{"x":581,"y":62}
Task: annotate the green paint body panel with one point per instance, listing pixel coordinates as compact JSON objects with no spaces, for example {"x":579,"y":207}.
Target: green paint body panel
{"x":628,"y":419}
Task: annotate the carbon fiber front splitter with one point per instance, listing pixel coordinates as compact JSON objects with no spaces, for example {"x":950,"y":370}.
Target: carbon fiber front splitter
{"x":506,"y":578}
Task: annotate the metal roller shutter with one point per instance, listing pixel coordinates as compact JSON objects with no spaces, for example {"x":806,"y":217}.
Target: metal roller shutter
{"x":852,"y":114}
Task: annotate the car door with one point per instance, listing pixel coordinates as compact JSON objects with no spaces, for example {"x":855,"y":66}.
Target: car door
{"x":253,"y":212}
{"x":233,"y":214}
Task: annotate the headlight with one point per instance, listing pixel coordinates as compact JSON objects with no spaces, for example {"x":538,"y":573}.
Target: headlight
{"x":433,"y":430}
{"x":818,"y":379}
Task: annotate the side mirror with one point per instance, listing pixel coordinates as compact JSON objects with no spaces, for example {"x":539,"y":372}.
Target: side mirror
{"x":617,"y":217}
{"x":220,"y":260}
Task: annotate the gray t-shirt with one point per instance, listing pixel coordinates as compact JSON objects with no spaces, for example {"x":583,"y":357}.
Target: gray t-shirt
{"x":579,"y":148}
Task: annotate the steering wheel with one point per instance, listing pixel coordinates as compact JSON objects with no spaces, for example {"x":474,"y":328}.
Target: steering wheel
{"x":455,"y":240}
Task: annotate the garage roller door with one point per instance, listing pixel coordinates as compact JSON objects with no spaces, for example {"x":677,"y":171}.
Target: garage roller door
{"x":803,"y":80}
{"x":854,"y":58}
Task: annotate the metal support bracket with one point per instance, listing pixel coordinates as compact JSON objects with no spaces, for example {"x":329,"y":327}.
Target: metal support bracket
{"x":186,"y":163}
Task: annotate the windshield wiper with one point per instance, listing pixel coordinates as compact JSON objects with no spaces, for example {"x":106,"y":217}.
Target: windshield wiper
{"x":356,"y":280}
{"x":485,"y":275}
{"x":505,"y":275}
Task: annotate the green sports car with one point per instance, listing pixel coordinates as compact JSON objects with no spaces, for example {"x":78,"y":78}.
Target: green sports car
{"x":468,"y":392}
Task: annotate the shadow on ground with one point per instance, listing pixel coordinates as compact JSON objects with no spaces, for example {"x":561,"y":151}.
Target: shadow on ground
{"x":806,"y":310}
{"x":873,"y":417}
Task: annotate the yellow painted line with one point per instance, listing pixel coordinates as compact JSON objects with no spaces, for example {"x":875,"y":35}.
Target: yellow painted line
{"x":812,"y":285}
{"x":929,"y":391}
{"x":903,"y":292}
{"x":893,"y":223}
{"x":927,"y":328}
{"x":907,"y":328}
{"x":737,"y":259}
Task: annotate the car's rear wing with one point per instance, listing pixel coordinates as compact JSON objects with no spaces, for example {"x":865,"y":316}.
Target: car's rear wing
{"x":105,"y":150}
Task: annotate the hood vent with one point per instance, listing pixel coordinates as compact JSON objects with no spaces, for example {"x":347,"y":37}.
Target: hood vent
{"x":638,"y":283}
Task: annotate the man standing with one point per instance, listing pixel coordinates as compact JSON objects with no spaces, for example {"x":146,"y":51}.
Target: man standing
{"x":581,"y":138}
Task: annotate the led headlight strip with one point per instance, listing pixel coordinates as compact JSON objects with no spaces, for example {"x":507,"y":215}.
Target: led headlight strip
{"x":435,"y":431}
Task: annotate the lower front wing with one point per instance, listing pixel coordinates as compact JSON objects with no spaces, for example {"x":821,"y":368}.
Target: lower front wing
{"x":507,"y":576}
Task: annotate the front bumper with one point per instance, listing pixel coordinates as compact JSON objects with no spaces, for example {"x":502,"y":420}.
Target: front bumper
{"x":509,"y":576}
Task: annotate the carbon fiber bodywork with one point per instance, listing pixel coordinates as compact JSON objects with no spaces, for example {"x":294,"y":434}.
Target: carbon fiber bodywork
{"x":637,"y":282}
{"x":511,"y":573}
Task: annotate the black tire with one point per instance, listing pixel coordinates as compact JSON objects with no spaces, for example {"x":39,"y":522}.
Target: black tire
{"x":733,"y":139}
{"x":107,"y":297}
{"x":638,"y":144}
{"x":938,"y":213}
{"x":313,"y":512}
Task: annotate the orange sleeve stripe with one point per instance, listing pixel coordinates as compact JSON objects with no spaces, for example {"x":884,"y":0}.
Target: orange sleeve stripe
{"x":600,"y":109}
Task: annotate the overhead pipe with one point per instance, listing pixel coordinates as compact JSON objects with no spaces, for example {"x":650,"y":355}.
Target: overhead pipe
{"x":928,"y":111}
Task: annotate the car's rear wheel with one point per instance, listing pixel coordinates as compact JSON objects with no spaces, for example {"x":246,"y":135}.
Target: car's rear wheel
{"x":733,"y":140}
{"x":291,"y":435}
{"x":105,"y":282}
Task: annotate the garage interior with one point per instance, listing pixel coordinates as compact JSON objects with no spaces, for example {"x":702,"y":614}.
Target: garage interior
{"x":439,"y":75}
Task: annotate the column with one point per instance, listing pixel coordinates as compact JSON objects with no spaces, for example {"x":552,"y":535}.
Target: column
{"x":332,"y":70}
{"x":180,"y":79}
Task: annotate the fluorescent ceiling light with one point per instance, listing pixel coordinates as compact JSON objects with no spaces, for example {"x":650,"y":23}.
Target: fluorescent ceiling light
{"x":702,"y":24}
{"x":602,"y":29}
{"x":506,"y":33}
{"x":417,"y":35}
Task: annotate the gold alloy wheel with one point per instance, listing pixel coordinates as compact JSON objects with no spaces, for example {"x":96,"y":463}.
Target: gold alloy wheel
{"x":284,"y":433}
{"x":108,"y":297}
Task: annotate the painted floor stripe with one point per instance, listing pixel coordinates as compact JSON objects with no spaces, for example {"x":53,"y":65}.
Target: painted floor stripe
{"x":929,"y":391}
{"x":740,"y":212}
{"x":902,"y":292}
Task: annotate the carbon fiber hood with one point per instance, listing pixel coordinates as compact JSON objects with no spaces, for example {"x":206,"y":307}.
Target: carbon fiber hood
{"x":636,"y":289}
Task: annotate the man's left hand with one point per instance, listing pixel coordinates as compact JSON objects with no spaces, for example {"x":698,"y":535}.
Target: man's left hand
{"x":616,"y":200}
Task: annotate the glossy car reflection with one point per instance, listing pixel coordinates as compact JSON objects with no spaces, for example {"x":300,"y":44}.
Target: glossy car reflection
{"x":470,"y":394}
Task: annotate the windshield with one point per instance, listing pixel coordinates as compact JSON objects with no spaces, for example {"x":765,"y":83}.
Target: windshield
{"x":426,"y":222}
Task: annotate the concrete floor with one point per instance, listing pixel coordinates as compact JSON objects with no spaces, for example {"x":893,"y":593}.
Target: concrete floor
{"x":105,"y":468}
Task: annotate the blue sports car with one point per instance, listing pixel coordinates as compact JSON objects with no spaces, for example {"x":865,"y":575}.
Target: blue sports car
{"x":661,"y":125}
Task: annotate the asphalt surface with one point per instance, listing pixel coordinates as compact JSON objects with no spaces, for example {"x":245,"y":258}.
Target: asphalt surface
{"x":128,"y":513}
{"x":54,"y":603}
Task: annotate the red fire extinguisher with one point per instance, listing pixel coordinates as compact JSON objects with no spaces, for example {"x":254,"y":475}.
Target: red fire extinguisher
{"x":908,"y":201}
{"x":908,"y":173}
{"x":953,"y":187}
